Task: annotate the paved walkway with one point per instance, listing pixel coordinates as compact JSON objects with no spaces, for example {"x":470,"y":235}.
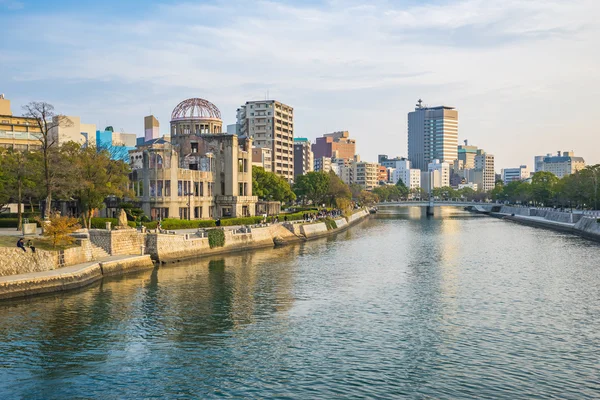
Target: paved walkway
{"x":73,"y":269}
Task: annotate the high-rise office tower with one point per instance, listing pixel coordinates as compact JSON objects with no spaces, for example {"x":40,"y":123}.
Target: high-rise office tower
{"x":270,"y":124}
{"x":432,"y":135}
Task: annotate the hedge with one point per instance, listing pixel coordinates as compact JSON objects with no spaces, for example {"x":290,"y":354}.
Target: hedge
{"x":9,"y":222}
{"x":171,"y":223}
{"x":29,"y":215}
{"x":241,"y":221}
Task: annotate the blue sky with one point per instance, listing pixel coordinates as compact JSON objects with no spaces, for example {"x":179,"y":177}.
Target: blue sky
{"x":523,"y":74}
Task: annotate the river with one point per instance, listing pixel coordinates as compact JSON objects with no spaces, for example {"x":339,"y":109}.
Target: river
{"x":400,"y":306}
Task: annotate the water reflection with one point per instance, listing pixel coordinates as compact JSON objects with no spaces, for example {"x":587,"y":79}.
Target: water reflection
{"x":401,"y":306}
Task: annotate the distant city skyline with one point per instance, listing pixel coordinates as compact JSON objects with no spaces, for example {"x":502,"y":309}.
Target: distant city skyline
{"x":521,"y":74}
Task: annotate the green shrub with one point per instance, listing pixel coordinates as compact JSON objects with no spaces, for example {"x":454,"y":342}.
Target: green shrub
{"x":216,"y":238}
{"x":330,"y":224}
{"x":8,"y":222}
{"x":29,"y":215}
{"x":171,"y":223}
{"x":241,"y":221}
{"x":150,"y":225}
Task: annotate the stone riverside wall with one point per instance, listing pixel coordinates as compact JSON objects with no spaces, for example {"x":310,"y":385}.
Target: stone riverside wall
{"x":118,"y":242}
{"x":168,"y":248}
{"x":68,"y":278}
{"x":15,"y":261}
{"x":341,"y":223}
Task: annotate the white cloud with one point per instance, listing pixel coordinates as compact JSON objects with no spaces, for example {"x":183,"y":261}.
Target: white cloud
{"x":485,"y":57}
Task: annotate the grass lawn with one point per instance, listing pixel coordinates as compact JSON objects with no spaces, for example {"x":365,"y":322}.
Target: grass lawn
{"x":41,"y":243}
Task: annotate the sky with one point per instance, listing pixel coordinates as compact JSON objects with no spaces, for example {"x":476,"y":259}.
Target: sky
{"x":523,"y":74}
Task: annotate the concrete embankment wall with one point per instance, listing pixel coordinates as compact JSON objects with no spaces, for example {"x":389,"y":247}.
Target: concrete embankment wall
{"x":557,"y":220}
{"x":68,"y":278}
{"x":588,"y":227}
{"x":175,"y":247}
{"x":170,"y":248}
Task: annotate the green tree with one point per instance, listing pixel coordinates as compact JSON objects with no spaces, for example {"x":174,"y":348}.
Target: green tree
{"x":367,"y":199}
{"x":17,"y":170}
{"x":96,"y":177}
{"x":47,"y":121}
{"x":404,"y":190}
{"x":542,"y":187}
{"x":270,"y":186}
{"x":355,"y":189}
{"x":313,"y":186}
{"x":338,"y":190}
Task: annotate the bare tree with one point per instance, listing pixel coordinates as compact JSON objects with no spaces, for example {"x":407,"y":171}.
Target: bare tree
{"x":48,"y":122}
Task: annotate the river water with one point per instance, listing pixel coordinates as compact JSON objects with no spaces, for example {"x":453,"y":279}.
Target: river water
{"x":403,"y":306}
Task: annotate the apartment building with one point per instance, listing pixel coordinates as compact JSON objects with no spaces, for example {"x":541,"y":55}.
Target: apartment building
{"x":270,"y":124}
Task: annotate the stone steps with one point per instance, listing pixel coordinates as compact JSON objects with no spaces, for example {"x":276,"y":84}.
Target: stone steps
{"x":98,"y":252}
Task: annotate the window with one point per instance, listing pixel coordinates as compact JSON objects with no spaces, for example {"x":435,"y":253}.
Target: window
{"x":183,"y":213}
{"x":196,"y":189}
{"x":201,"y":184}
{"x":241,"y":189}
{"x":240,"y":165}
{"x":197,"y":212}
{"x":179,"y":188}
{"x":167,"y":188}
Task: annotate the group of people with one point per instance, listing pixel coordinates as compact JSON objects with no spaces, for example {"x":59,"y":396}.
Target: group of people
{"x":311,"y":217}
{"x":22,"y":245}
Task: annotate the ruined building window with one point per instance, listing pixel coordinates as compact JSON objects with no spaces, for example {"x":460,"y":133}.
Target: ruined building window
{"x":167,"y":188}
{"x":222,"y":188}
{"x":196,"y":189}
{"x":201,"y":188}
{"x":195,"y":147}
{"x":241,"y":190}
{"x":241,"y":165}
{"x":179,"y":188}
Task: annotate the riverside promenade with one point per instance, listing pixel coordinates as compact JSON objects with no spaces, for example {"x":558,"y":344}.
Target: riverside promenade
{"x":104,"y":253}
{"x":579,"y":223}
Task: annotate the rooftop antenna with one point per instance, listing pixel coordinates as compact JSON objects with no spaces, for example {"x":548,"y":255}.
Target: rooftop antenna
{"x":420,"y":104}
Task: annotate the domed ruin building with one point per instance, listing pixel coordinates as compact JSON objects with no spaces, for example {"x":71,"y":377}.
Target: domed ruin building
{"x":201,"y":173}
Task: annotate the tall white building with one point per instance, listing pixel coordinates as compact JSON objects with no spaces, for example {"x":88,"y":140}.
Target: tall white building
{"x":515,"y":174}
{"x":270,"y":124}
{"x":411,"y":177}
{"x":365,"y":174}
{"x":432,"y":134}
{"x":322,"y":164}
{"x":560,"y":164}
{"x":439,"y":172}
{"x":484,"y":174}
{"x":72,"y":130}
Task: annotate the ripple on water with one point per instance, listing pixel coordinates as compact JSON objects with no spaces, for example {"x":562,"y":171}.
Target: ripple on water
{"x":441,"y":308}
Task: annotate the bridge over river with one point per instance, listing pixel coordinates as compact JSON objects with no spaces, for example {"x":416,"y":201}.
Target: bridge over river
{"x":430,"y":205}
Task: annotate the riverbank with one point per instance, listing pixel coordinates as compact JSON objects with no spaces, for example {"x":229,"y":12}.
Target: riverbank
{"x":67,"y":278}
{"x":167,"y":248}
{"x":577,"y":224}
{"x":119,"y":253}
